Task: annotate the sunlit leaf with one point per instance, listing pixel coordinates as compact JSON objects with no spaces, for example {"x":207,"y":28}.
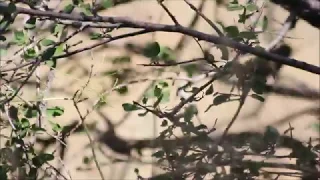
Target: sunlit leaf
{"x":47,"y":42}
{"x":251,"y":7}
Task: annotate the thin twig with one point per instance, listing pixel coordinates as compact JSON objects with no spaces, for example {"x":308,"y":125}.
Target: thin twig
{"x":205,"y":18}
{"x":168,"y":12}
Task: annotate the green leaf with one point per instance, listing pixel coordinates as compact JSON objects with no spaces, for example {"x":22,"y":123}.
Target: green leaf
{"x":30,"y":53}
{"x":251,"y":7}
{"x":24,"y":123}
{"x":95,"y":36}
{"x":234,"y":7}
{"x":86,"y":9}
{"x":166,"y":54}
{"x":130,"y":107}
{"x":55,"y":126}
{"x":209,"y":90}
{"x":259,"y":84}
{"x":257,"y":97}
{"x":19,"y":37}
{"x":59,"y":50}
{"x":264,"y":23}
{"x":58,"y":28}
{"x":248,"y":35}
{"x":123,"y":90}
{"x":41,"y":159}
{"x":220,"y":99}
{"x":107,"y":3}
{"x":48,"y":53}
{"x":158,"y":154}
{"x":157,"y":91}
{"x":11,"y":7}
{"x":55,"y":111}
{"x":47,"y":42}
{"x":163,"y":84}
{"x":31,"y":23}
{"x":31,"y":112}
{"x":190,"y":69}
{"x":232,"y":31}
{"x":151,"y":50}
{"x":68,"y":8}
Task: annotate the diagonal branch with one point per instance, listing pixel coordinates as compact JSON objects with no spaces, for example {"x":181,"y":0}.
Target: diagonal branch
{"x":127,"y":22}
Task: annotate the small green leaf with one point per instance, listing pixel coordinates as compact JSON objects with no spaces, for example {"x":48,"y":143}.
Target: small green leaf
{"x":157,"y":91}
{"x":59,"y":50}
{"x":55,"y":111}
{"x":58,"y":28}
{"x":31,"y":112}
{"x":31,"y":23}
{"x":166,"y":54}
{"x":30,"y":53}
{"x":220,"y":99}
{"x":234,"y":7}
{"x":251,"y":7}
{"x":55,"y":126}
{"x":86,"y":9}
{"x":257,"y":97}
{"x":264,"y":23}
{"x":41,"y":159}
{"x":107,"y":3}
{"x":47,"y":42}
{"x":48,"y":53}
{"x":209,"y":90}
{"x":12,"y":7}
{"x":19,"y":37}
{"x":190,"y":69}
{"x":24,"y":123}
{"x":232,"y":31}
{"x":144,"y":100}
{"x":151,"y":50}
{"x":163,"y":84}
{"x":158,"y":154}
{"x":95,"y":36}
{"x":68,"y":8}
{"x":248,"y":35}
{"x":123,"y":90}
{"x":130,"y":107}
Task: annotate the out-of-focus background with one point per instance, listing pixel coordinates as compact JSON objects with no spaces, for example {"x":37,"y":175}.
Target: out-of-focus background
{"x":73,"y":73}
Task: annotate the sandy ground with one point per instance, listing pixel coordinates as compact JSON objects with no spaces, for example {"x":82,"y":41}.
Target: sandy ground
{"x":277,"y":111}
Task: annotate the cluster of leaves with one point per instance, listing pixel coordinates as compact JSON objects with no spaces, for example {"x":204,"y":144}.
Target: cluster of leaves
{"x":19,"y":157}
